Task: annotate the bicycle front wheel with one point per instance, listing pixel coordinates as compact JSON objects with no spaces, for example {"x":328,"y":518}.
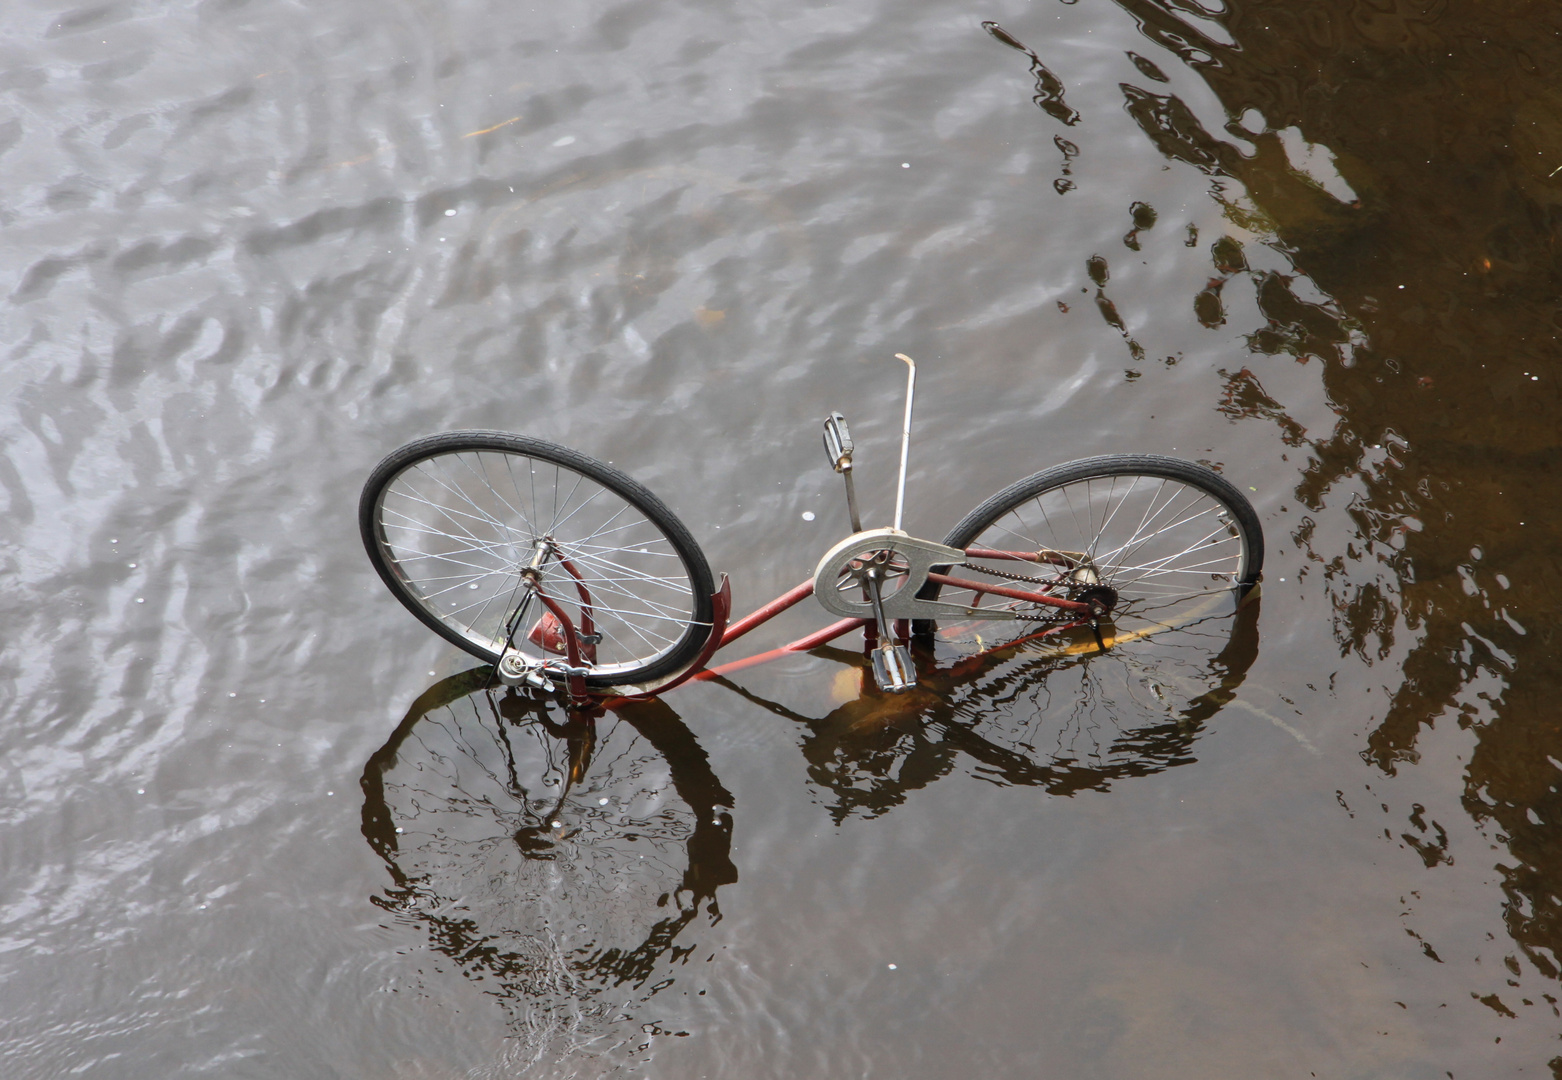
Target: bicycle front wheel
{"x":451,"y":522}
{"x":1157,"y":540}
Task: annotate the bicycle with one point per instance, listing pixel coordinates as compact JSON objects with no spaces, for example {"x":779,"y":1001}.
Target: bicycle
{"x":493,"y":539}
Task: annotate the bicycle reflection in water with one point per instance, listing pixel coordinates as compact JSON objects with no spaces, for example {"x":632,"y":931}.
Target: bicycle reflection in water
{"x":556,"y":862}
{"x":561,"y":863}
{"x":1065,"y":717}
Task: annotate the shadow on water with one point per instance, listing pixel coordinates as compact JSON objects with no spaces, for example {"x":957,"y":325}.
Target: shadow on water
{"x":484,"y":806}
{"x":1406,"y":157}
{"x":564,"y":863}
{"x":1063,"y":719}
{"x":559,"y":863}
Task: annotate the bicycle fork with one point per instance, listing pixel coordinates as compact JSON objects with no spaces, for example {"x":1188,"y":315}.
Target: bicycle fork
{"x":554,"y":632}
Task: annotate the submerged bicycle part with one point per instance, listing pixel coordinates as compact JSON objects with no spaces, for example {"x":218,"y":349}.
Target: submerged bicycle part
{"x":531,"y":583}
{"x":548,"y":634}
{"x":836,"y":579}
{"x":553,"y":633}
{"x":838,"y":445}
{"x":1086,"y":587}
{"x":1148,"y":541}
{"x":893,"y":669}
{"x":905,"y":436}
{"x":869,"y":573}
{"x":838,"y":448}
{"x":892,"y":666}
{"x":516,"y":669}
{"x":524,"y":671}
{"x":452,"y":523}
{"x":519,"y":670}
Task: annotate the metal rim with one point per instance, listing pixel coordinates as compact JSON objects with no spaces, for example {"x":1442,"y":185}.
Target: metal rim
{"x":1169,"y":537}
{"x":1156,"y":540}
{"x":452,"y":527}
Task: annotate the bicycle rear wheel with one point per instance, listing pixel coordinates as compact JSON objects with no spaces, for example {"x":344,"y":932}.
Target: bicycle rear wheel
{"x":1158,"y":540}
{"x":450,"y":522}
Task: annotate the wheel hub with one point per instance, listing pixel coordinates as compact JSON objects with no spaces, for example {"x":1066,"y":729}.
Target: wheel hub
{"x":1101,"y":598}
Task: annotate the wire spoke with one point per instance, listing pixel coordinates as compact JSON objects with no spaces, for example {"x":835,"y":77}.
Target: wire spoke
{"x":440,"y":508}
{"x":557,"y":521}
{"x":1212,"y":509}
{"x":658,"y":611}
{"x":455,"y":489}
{"x":485,"y":570}
{"x":458,"y":526}
{"x":603,"y":565}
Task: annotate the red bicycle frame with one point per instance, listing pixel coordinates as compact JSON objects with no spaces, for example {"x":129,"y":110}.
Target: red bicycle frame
{"x":562,"y":635}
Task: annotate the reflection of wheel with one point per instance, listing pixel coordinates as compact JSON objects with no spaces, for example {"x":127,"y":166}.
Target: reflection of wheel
{"x":1157,"y":541}
{"x":1169,"y":548}
{"x":453,"y":522}
{"x":551,"y":855}
{"x":1055,"y":713}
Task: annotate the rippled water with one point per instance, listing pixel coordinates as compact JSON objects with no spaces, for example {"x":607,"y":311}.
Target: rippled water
{"x":251,"y":247}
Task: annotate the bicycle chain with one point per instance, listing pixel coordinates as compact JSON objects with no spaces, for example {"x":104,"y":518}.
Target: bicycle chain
{"x":1051,"y":617}
{"x":1009,"y":575}
{"x":1060,"y":617}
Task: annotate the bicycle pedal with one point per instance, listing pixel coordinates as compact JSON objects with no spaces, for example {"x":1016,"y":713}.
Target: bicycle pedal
{"x":893,"y":669}
{"x":838,"y":442}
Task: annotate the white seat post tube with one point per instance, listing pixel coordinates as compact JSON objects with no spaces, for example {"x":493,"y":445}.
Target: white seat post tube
{"x":905,"y":435}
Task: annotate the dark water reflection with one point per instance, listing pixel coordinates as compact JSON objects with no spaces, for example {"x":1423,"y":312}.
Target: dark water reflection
{"x":251,"y":247}
{"x":558,"y":857}
{"x":1064,"y":719}
{"x":1443,"y":281}
{"x":555,"y":859}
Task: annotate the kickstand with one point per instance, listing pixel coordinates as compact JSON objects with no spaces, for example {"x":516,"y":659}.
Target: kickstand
{"x":1095,"y":628}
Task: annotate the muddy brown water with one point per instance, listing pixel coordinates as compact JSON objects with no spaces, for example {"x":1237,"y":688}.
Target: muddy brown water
{"x":251,"y":247}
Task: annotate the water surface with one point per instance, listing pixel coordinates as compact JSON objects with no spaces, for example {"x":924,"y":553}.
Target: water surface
{"x":252,"y":247}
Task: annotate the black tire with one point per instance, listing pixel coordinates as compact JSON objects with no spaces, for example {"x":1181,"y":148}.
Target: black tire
{"x":463,"y":511}
{"x":1167,"y":537}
